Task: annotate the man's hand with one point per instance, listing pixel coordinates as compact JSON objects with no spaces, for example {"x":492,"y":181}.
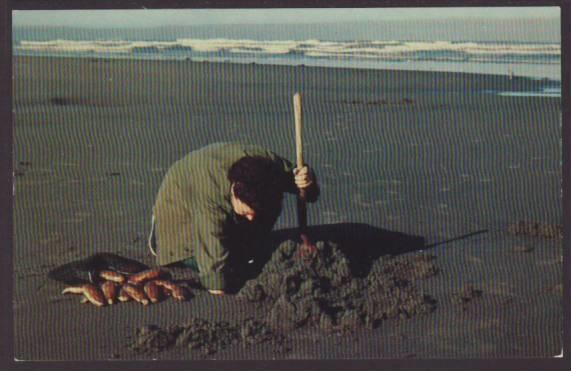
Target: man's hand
{"x":303,"y":177}
{"x":216,"y":292}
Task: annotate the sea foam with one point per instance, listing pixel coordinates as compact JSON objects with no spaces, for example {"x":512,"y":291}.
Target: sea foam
{"x":382,"y":50}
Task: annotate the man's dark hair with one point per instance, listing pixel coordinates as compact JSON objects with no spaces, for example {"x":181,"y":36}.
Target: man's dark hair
{"x":258,"y":182}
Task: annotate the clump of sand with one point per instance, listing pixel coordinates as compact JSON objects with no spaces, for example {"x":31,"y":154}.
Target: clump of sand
{"x":534,"y":229}
{"x":466,"y":295}
{"x":154,"y":339}
{"x":323,"y":292}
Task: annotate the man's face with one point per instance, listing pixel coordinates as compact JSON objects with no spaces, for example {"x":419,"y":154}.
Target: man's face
{"x":241,"y":209}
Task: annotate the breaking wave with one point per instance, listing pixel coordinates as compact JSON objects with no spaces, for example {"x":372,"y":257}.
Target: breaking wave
{"x":367,"y":50}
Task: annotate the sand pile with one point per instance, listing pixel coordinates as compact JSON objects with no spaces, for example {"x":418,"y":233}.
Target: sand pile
{"x":320,"y":293}
{"x":535,"y":229}
{"x":323,"y":292}
{"x":205,"y":336}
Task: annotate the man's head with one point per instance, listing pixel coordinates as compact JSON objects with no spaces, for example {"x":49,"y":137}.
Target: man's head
{"x":256,"y":186}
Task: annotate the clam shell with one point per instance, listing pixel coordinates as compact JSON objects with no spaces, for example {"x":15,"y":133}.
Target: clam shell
{"x":137,"y":293}
{"x":110,"y":291}
{"x":153,"y":291}
{"x":176,"y":291}
{"x":179,"y":293}
{"x":147,"y":275}
{"x":112,"y":276}
{"x":123,"y":296}
{"x":73,"y":290}
{"x":94,"y":294}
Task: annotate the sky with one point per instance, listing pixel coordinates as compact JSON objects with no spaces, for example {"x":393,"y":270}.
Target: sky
{"x":183,"y":17}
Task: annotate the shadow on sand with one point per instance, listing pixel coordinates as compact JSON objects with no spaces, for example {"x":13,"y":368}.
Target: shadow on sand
{"x":361,"y":243}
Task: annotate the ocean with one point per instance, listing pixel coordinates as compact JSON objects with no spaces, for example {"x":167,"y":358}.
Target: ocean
{"x":529,"y":48}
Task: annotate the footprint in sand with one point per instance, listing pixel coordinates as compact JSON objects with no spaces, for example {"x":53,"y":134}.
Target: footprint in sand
{"x":331,"y":217}
{"x":393,"y":217}
{"x":78,"y":217}
{"x":69,"y":164}
{"x":54,"y":239}
{"x":475,"y":259}
{"x":523,"y":248}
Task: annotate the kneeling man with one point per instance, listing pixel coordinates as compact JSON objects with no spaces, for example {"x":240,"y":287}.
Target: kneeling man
{"x":219,"y":204}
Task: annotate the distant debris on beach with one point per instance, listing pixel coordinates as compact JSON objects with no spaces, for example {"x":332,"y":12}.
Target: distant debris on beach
{"x":381,"y":102}
{"x":534,"y":229}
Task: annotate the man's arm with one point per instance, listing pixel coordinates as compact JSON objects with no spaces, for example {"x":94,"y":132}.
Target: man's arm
{"x":211,"y":254}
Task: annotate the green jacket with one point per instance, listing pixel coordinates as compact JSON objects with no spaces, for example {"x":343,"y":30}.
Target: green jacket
{"x":193,"y":212}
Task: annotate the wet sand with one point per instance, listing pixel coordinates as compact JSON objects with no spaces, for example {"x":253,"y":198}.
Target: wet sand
{"x":433,"y":156}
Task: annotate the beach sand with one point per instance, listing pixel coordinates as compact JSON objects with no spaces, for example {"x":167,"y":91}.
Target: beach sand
{"x":436,"y":157}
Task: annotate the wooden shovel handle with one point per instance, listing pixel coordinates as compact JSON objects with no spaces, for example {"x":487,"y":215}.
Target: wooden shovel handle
{"x":298,"y":135}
